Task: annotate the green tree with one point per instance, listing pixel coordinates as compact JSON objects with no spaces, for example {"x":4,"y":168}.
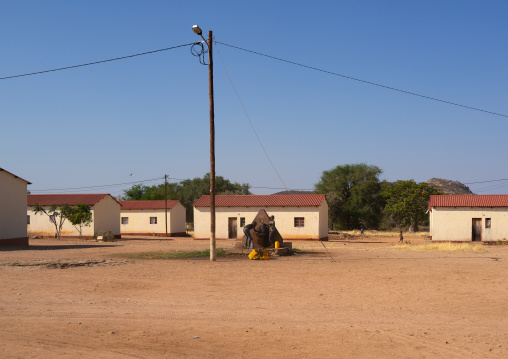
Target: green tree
{"x":80,"y":216}
{"x":353,"y":195}
{"x":140,"y":192}
{"x":187,"y":191}
{"x":408,"y":202}
{"x":135,"y":193}
{"x":57,"y":215}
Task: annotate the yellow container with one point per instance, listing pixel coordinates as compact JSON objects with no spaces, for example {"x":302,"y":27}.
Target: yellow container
{"x":265,"y":255}
{"x":254,"y":254}
{"x":277,"y":245}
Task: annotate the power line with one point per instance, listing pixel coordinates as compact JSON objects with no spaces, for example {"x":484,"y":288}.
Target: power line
{"x":496,"y":180}
{"x":94,"y":63}
{"x":292,"y":189}
{"x":147,"y":180}
{"x":248,"y":118}
{"x":90,"y":187}
{"x":365,"y":81}
{"x":492,"y":187}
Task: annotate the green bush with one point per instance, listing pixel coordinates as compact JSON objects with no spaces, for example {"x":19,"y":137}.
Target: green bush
{"x":107,"y":236}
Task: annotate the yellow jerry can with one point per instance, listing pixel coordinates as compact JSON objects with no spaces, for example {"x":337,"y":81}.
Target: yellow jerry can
{"x":254,"y":254}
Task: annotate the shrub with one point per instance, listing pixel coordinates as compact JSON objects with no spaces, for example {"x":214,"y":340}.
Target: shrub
{"x":107,"y":236}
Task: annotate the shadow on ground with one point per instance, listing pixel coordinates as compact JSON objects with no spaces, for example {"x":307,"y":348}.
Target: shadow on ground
{"x":54,"y":247}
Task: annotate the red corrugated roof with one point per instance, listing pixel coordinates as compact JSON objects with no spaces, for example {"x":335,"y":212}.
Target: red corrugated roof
{"x":270,"y":200}
{"x":485,"y":200}
{"x":148,"y":204}
{"x":71,"y":199}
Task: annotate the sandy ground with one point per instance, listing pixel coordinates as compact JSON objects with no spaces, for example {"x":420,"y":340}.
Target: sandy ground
{"x":370,"y":301}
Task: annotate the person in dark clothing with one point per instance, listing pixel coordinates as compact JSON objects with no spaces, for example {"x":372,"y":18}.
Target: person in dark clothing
{"x":271,"y":228}
{"x":248,"y":238}
{"x":401,"y":237}
{"x":263,"y":232}
{"x":262,"y":227}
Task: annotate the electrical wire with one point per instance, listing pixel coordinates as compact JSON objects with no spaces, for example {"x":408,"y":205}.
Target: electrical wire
{"x":365,"y":81}
{"x":333,"y":260}
{"x":91,"y":187}
{"x":490,"y":188}
{"x":496,"y":180}
{"x":40,"y":191}
{"x":248,"y":117}
{"x":293,"y":189}
{"x":95,"y":62}
{"x":198,"y":50}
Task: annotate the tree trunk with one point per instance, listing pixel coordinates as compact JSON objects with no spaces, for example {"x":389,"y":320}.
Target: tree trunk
{"x":414,"y":227}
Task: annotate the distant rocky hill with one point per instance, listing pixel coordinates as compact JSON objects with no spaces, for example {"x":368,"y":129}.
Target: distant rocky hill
{"x":449,"y":187}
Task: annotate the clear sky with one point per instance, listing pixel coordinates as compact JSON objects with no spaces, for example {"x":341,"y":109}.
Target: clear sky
{"x":148,"y":116}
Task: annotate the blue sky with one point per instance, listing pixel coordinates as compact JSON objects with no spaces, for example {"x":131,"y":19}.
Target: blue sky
{"x":148,"y":115}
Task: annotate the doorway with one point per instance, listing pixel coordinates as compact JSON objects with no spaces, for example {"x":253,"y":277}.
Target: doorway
{"x":232,"y":226}
{"x":477,"y":230}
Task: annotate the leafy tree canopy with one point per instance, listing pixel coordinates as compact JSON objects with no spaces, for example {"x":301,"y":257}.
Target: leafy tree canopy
{"x":353,"y":195}
{"x":187,"y":191}
{"x":79,"y":215}
{"x":408,"y":201}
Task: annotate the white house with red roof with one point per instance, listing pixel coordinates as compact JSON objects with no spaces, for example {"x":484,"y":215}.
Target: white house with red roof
{"x":148,"y":218}
{"x":297,"y":216}
{"x":105,"y":214}
{"x":468,"y":218}
{"x":12,"y":209}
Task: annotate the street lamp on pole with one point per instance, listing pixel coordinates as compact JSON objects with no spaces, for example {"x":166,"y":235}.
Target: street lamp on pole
{"x":198,"y":31}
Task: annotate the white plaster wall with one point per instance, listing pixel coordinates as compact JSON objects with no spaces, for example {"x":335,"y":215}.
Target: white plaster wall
{"x":284,"y":221}
{"x":107,"y":216}
{"x":431,"y":221}
{"x":139,"y":221}
{"x":323,"y":220}
{"x":178,"y":219}
{"x":12,"y":206}
{"x":455,"y":224}
{"x":40,"y":225}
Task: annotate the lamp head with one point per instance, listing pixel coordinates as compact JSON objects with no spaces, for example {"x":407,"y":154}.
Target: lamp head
{"x":197,"y":30}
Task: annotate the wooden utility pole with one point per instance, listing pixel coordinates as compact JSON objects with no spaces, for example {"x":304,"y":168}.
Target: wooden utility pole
{"x":166,"y":199}
{"x":212,"y":149}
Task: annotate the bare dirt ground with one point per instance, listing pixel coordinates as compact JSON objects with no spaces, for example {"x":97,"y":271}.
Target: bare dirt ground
{"x":72,"y":299}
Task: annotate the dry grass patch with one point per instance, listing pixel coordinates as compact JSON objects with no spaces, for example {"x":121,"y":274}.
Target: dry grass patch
{"x":381,"y":234}
{"x":219,"y":252}
{"x":445,"y":247}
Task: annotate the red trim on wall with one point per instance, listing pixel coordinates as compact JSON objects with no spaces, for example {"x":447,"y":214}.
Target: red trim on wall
{"x":285,"y":239}
{"x":469,"y":241}
{"x":21,"y":241}
{"x":116,"y":236}
{"x":304,"y":239}
{"x":217,"y":239}
{"x":175,"y":234}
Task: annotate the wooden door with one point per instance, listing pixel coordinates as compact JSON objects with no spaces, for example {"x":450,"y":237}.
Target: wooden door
{"x":232,"y":226}
{"x":477,"y":229}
